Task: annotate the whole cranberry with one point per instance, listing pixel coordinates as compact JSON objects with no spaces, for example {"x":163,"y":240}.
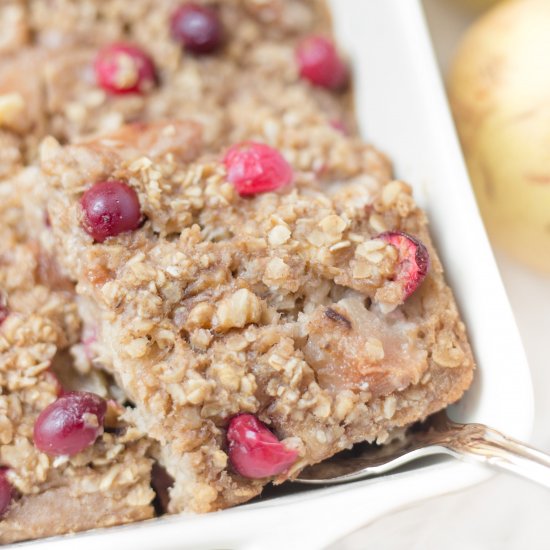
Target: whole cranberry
{"x":124,"y":69}
{"x":254,"y":451}
{"x":70,"y":424}
{"x":319,"y":63}
{"x":257,"y":168}
{"x":6,"y":492}
{"x":110,"y":208}
{"x":198,"y":28}
{"x":413,"y":261}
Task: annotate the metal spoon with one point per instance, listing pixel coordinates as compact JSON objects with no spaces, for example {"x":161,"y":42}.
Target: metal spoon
{"x":439,"y":434}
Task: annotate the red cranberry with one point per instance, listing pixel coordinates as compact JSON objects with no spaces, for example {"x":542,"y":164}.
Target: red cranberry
{"x":124,"y":69}
{"x":319,"y":62}
{"x":70,"y":424}
{"x":5,"y":492}
{"x":257,"y":168}
{"x":198,"y":28}
{"x":110,"y":208}
{"x":414,"y":260}
{"x":254,"y":451}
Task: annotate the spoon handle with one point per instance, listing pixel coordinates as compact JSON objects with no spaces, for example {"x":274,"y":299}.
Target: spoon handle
{"x":479,"y":443}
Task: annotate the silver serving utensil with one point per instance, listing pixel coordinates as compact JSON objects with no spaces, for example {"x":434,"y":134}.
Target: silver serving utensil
{"x":438,"y":435}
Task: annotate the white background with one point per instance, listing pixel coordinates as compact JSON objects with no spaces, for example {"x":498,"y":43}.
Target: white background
{"x":504,"y":513}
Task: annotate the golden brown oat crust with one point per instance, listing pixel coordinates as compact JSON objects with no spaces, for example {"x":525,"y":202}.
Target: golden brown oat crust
{"x":59,"y":511}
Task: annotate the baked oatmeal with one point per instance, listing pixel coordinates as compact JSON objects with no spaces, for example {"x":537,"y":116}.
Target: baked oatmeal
{"x":243,"y":289}
{"x":247,"y":270}
{"x":43,"y":494}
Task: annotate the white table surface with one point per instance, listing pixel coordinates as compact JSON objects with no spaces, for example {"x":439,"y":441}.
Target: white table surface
{"x":504,"y":513}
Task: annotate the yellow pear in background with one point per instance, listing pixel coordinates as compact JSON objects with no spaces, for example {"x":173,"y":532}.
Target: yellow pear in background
{"x":499,"y":88}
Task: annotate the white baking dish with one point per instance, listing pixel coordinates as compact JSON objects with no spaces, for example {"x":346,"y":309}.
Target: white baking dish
{"x":402,"y":109}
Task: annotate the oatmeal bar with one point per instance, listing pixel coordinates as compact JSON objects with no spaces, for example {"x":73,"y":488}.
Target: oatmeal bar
{"x":234,"y":291}
{"x":106,"y":484}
